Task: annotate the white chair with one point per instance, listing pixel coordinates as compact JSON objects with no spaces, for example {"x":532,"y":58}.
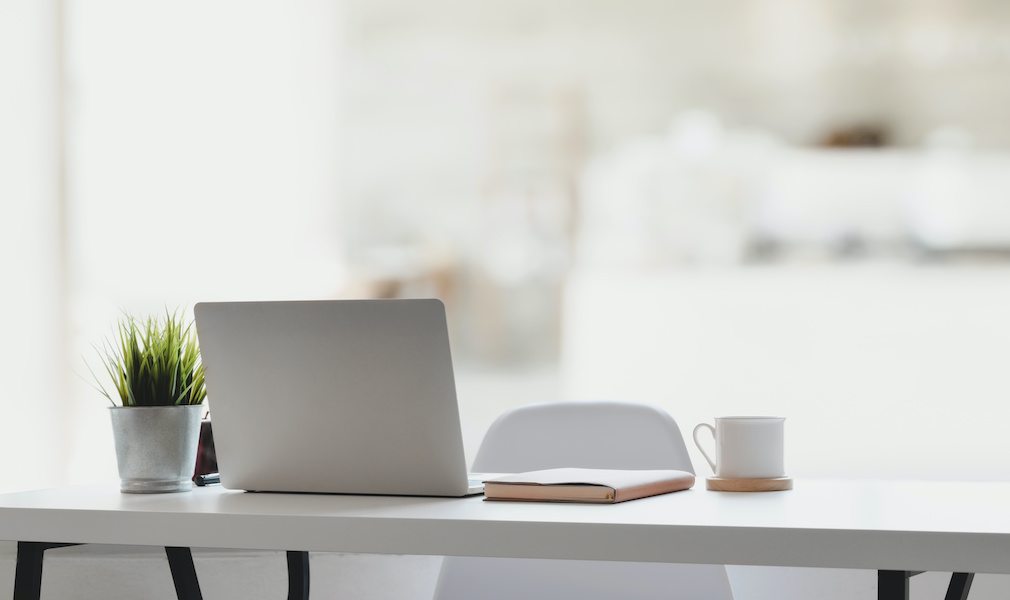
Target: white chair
{"x":611,"y":435}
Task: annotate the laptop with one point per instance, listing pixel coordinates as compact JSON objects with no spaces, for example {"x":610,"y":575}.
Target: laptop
{"x":333,"y":396}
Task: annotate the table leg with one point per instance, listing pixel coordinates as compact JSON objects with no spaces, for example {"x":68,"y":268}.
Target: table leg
{"x":960,"y":585}
{"x":298,"y":575}
{"x":28,"y":572}
{"x":893,"y":585}
{"x":180,"y":560}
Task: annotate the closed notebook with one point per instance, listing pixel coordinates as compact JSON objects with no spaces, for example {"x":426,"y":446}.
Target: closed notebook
{"x":586,"y":485}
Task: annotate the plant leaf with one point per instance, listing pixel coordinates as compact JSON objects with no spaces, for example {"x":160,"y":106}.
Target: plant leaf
{"x":153,"y":362}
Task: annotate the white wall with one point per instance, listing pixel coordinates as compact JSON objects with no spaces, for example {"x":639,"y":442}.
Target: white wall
{"x":33,"y":359}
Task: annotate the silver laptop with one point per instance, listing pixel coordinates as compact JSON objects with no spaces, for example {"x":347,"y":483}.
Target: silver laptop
{"x":334,"y":396}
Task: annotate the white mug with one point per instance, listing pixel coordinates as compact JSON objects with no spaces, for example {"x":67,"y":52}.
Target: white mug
{"x":746,"y":447}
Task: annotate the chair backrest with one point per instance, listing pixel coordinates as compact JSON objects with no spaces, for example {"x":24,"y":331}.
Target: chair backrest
{"x":613,"y":435}
{"x":600,"y":435}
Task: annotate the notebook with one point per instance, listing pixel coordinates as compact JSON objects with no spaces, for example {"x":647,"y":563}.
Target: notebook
{"x":606,"y":486}
{"x":333,"y":396}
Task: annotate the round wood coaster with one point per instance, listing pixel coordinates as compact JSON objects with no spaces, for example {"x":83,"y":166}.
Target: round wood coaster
{"x":726,"y":484}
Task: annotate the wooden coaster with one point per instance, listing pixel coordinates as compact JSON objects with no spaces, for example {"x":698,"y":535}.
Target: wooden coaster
{"x":726,"y":484}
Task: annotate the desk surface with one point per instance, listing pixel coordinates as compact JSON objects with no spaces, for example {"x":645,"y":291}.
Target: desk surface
{"x":923,"y":526}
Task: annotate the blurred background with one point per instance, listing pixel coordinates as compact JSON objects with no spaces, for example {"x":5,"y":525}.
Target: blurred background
{"x":791,"y":207}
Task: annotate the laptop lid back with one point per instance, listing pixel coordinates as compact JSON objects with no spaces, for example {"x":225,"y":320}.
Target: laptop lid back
{"x":336,"y":396}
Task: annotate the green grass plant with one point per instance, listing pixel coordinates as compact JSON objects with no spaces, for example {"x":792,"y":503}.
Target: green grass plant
{"x":153,"y":362}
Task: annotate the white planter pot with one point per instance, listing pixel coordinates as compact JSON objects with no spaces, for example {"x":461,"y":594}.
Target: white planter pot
{"x":156,"y":447}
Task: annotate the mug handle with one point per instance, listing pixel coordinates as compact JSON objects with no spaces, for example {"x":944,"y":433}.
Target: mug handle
{"x":698,"y":443}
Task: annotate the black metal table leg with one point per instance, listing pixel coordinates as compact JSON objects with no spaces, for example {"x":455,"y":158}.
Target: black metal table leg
{"x":893,"y":585}
{"x":180,"y":560}
{"x":960,"y":585}
{"x":298,"y":575}
{"x":28,"y":572}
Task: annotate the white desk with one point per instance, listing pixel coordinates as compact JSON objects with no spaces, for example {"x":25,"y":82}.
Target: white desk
{"x":889,"y":526}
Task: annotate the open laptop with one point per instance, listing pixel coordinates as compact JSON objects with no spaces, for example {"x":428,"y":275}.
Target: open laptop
{"x":333,"y":396}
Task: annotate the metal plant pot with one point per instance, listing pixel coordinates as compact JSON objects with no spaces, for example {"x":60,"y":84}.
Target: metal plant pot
{"x":156,"y":447}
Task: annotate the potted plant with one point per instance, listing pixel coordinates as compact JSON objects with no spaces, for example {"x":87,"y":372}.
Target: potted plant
{"x":157,"y":403}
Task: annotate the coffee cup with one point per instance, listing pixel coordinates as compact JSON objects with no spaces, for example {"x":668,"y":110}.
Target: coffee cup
{"x":746,"y":447}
